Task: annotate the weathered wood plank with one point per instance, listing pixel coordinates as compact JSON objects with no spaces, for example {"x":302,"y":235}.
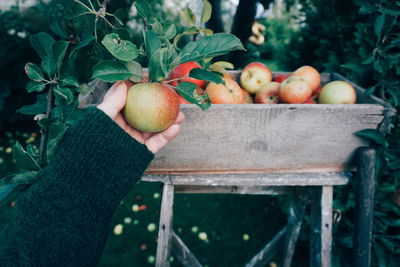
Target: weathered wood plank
{"x":165,"y":226}
{"x":321,"y":226}
{"x":182,"y":252}
{"x":265,"y":179}
{"x":242,"y":190}
{"x":295,"y":220}
{"x":364,"y":192}
{"x":262,"y":258}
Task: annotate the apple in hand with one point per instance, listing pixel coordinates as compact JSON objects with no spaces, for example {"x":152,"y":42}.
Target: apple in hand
{"x":254,"y":76}
{"x":268,"y":94}
{"x":295,"y":90}
{"x":310,"y":74}
{"x":183,"y":70}
{"x":230,"y":93}
{"x":337,"y":92}
{"x":151,"y":107}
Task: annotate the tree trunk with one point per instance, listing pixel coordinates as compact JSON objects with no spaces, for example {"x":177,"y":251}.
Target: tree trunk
{"x":215,"y":22}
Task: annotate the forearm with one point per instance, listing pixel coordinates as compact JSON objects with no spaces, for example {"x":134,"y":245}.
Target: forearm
{"x":64,"y":219}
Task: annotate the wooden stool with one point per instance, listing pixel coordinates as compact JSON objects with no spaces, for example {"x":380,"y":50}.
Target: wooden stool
{"x":317,"y":187}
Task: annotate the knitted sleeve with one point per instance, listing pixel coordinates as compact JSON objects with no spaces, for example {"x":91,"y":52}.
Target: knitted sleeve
{"x":64,"y":219}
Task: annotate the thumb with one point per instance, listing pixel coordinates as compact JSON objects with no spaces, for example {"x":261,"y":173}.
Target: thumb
{"x":115,"y":98}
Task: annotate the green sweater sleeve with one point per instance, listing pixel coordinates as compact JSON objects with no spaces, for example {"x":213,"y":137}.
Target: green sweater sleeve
{"x":64,"y":219}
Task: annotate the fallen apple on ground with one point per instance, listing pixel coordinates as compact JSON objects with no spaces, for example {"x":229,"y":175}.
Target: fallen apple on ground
{"x":254,"y":76}
{"x":144,"y":103}
{"x":268,"y":94}
{"x":337,"y":92}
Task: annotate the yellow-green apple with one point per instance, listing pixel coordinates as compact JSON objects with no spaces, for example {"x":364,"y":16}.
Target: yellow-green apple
{"x":294,"y":90}
{"x":310,"y":74}
{"x":268,"y":94}
{"x":151,"y":107}
{"x":337,"y":92}
{"x":230,"y":93}
{"x":182,"y":71}
{"x":254,"y":76}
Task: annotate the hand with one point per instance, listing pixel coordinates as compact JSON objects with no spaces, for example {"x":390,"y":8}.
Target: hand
{"x":114,"y":102}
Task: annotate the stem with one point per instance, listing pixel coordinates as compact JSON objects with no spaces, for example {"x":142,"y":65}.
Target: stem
{"x":177,"y":79}
{"x":45,"y":131}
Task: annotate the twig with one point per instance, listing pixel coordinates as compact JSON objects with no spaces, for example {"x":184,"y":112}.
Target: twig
{"x":45,"y":131}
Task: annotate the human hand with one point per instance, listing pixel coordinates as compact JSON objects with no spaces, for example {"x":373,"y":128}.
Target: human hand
{"x":114,"y":102}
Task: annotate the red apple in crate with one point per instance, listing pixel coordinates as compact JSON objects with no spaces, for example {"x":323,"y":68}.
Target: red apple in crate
{"x":310,"y":74}
{"x":280,"y":78}
{"x":294,"y":90}
{"x":254,"y":76}
{"x":337,"y":92}
{"x":151,"y":107}
{"x":183,"y":70}
{"x":248,"y":99}
{"x":230,"y":93}
{"x":268,"y":94}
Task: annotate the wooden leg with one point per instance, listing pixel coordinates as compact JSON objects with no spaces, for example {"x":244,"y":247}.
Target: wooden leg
{"x":321,"y":226}
{"x":182,"y":252}
{"x":295,"y":220}
{"x":165,"y":226}
{"x":364,"y":193}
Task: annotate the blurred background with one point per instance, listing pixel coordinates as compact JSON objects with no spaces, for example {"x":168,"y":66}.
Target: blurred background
{"x":357,"y":38}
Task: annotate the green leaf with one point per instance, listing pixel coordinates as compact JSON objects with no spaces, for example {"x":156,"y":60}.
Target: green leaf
{"x":23,"y":159}
{"x":34,"y":72}
{"x":135,"y":69}
{"x":39,"y":107}
{"x":33,"y":86}
{"x":65,"y":93}
{"x":160,"y":63}
{"x":206,"y":75}
{"x":111,"y":71}
{"x":374,"y":135}
{"x":379,"y":22}
{"x":48,"y":65}
{"x":84,"y":89}
{"x":157,"y":27}
{"x":59,"y":50}
{"x":189,"y":31}
{"x":189,"y":91}
{"x":43,"y":44}
{"x":121,"y":49}
{"x":188,"y":16}
{"x":152,"y":42}
{"x":143,"y":8}
{"x":69,"y":81}
{"x":170,"y":31}
{"x":209,"y":46}
{"x":83,"y":43}
{"x":56,"y":132}
{"x":24,"y":177}
{"x":207,"y":10}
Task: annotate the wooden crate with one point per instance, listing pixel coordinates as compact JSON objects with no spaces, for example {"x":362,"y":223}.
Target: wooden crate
{"x":259,"y":138}
{"x":253,"y":138}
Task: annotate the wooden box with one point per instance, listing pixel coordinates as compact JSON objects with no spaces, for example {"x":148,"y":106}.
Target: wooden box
{"x":253,"y":138}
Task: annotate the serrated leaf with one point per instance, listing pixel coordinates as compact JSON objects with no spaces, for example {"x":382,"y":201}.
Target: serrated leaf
{"x":135,"y":69}
{"x":152,"y":42}
{"x":25,"y":177}
{"x":169,"y":32}
{"x":43,"y":44}
{"x":189,"y":92}
{"x":34,"y":72}
{"x":23,"y":159}
{"x":39,"y":107}
{"x":33,"y":86}
{"x":59,"y":50}
{"x":121,"y":49}
{"x":65,"y":93}
{"x":209,"y":46}
{"x":111,"y":71}
{"x":207,"y":10}
{"x":143,"y":8}
{"x":206,"y":75}
{"x":374,"y":135}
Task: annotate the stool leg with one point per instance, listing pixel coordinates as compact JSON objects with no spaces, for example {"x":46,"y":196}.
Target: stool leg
{"x":364,"y":193}
{"x":165,"y":226}
{"x":321,"y":226}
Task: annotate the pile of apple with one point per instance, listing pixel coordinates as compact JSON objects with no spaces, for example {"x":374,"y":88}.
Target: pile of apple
{"x":257,"y":85}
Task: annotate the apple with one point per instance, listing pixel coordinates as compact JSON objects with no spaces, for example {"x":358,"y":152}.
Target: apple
{"x":295,"y":90}
{"x":280,"y":78}
{"x":310,"y":74}
{"x":230,"y":93}
{"x":247,"y":97}
{"x":151,"y":107}
{"x":254,"y":76}
{"x":183,"y":70}
{"x":337,"y":92}
{"x":268,"y":94}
